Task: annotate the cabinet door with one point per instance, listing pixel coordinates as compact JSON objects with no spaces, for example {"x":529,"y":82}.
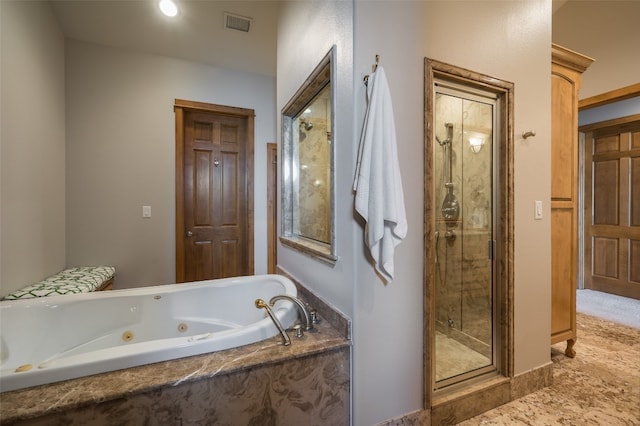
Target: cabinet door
{"x":564,"y":180}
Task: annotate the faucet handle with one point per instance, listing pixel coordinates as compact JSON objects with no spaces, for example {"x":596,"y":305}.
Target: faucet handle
{"x":314,"y":317}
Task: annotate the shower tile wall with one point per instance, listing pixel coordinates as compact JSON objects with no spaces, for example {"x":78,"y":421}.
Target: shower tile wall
{"x":463,"y":282}
{"x":314,"y":214}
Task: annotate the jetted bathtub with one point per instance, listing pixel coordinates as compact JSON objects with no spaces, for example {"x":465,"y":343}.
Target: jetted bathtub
{"x":63,"y":337}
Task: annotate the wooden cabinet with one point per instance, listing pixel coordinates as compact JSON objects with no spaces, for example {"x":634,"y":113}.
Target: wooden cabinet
{"x":566,"y":71}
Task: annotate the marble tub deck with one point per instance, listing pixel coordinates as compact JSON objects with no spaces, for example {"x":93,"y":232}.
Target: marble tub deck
{"x":319,"y":357}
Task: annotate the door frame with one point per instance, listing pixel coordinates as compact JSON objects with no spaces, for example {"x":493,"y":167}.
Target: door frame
{"x":602,"y":99}
{"x":272,"y":207}
{"x":443,"y":402}
{"x":179,"y":107}
{"x":613,"y":126}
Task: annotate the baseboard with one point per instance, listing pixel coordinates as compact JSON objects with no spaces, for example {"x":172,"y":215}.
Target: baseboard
{"x":477,"y":399}
{"x":531,"y":381}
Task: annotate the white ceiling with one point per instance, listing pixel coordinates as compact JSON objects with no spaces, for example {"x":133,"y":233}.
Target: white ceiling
{"x":196,"y":34}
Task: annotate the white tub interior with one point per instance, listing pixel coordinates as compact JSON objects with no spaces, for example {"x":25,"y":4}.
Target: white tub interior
{"x":62,"y":337}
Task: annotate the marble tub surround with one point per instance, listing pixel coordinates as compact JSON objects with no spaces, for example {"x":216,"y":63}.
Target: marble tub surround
{"x":307,"y":380}
{"x":328,"y":312}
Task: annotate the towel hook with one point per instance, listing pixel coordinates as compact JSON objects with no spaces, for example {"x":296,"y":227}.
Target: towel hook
{"x":375,"y":67}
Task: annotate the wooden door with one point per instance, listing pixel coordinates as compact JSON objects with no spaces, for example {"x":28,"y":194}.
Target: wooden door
{"x":272,"y":207}
{"x":612,"y":208}
{"x":214,"y":208}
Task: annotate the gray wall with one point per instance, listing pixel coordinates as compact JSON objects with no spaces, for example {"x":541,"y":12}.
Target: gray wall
{"x":458,"y":33}
{"x":306,"y":33}
{"x":610,"y":111}
{"x":606,"y":31}
{"x":387,"y":319}
{"x":88,"y":139}
{"x":32,"y":161}
{"x":121,"y":148}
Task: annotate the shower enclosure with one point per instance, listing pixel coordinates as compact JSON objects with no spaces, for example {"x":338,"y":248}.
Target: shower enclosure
{"x":463,"y":193}
{"x":312,"y":155}
{"x":469,"y":241}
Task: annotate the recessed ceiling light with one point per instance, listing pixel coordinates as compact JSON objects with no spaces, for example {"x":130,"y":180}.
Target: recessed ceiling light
{"x":168,"y":7}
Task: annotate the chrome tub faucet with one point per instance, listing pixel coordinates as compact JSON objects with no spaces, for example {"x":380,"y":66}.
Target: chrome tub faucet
{"x":308,"y":316}
{"x":260,"y":304}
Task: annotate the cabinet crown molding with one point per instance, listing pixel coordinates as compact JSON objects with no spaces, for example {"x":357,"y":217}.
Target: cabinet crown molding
{"x":570,"y":59}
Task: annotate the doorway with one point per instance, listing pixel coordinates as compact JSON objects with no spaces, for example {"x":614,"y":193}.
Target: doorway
{"x":214,"y":191}
{"x":468,"y":233}
{"x":465,"y":124}
{"x":612,"y":207}
{"x":272,"y":207}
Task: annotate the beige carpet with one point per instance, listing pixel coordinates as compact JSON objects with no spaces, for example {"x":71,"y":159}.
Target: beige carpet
{"x":600,"y":386}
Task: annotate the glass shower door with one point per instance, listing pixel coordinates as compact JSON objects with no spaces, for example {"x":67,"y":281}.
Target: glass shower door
{"x":465,"y":305}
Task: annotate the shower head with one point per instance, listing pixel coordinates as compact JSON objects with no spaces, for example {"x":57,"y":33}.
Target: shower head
{"x":307,"y":124}
{"x":449,"y":127}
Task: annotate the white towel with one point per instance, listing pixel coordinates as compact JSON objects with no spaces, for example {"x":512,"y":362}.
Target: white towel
{"x":378,"y":184}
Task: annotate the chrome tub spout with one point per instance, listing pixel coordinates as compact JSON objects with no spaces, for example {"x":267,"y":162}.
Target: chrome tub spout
{"x":285,"y":337}
{"x":308,"y":321}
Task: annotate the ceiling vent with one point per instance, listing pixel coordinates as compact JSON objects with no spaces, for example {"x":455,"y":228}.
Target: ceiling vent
{"x":237,"y":22}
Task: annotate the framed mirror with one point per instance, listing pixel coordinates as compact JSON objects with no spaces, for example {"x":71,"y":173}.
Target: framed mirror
{"x":308,"y":220}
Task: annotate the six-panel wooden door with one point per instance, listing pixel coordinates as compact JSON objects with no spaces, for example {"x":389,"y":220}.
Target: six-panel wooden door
{"x":214,"y":209}
{"x":612,"y":209}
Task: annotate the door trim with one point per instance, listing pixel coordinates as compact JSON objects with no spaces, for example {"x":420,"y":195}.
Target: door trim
{"x":272,"y":207}
{"x":609,"y":97}
{"x":587,"y":133}
{"x":179,"y":107}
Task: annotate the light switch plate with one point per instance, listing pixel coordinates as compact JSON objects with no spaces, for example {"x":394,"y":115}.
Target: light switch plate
{"x":146,"y":211}
{"x":537,"y":210}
